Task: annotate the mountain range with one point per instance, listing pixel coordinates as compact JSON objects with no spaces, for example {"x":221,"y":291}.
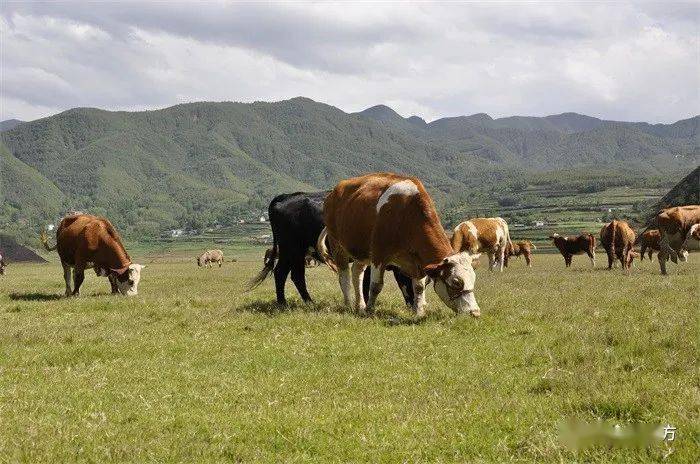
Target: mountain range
{"x":202,"y":163}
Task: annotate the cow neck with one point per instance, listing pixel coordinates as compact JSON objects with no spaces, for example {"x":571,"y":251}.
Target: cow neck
{"x":434,"y":246}
{"x":115,"y":255}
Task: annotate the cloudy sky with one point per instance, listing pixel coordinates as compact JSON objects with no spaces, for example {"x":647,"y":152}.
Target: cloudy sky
{"x":624,"y":61}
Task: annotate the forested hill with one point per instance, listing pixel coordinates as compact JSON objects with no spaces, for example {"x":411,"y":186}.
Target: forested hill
{"x":200,"y":163}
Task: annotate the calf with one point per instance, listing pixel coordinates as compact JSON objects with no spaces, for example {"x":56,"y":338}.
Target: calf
{"x":84,"y":241}
{"x":570,"y":246}
{"x":297,"y":220}
{"x":617,"y":239}
{"x":650,"y":239}
{"x":675,"y":224}
{"x":386,"y":219}
{"x":483,"y":235}
{"x":209,"y":257}
{"x":517,"y":249}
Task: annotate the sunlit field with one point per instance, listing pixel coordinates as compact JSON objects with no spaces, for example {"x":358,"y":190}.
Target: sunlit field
{"x":195,"y":369}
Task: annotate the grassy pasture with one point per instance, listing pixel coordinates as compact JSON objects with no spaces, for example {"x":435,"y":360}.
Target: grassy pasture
{"x":194,"y":369}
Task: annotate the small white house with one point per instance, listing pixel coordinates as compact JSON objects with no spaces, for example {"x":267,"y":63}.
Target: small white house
{"x":539,"y":223}
{"x":262,"y":218}
{"x":177,"y":233}
{"x":50,"y":227}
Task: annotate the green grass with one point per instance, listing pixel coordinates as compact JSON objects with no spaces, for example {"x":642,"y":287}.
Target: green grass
{"x":194,"y":369}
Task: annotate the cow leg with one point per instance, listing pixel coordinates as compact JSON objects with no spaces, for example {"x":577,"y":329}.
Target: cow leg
{"x":113,"y":283}
{"x":642,"y":249}
{"x":299,"y":278}
{"x":281,"y":273}
{"x":528,"y":259}
{"x":492,"y":260}
{"x":377,"y":278}
{"x":358,"y":269}
{"x":568,"y":258}
{"x":662,"y":257}
{"x":406,"y":285}
{"x":591,"y":254}
{"x":78,"y":277}
{"x":651,"y":257}
{"x":345,"y":283}
{"x":611,"y":258}
{"x":67,"y":278}
{"x":501,"y":258}
{"x":419,"y":296}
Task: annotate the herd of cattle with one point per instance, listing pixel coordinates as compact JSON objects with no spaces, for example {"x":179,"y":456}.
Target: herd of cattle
{"x":365,"y":226}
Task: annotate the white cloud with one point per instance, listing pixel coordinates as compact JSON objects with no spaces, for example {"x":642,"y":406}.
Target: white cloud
{"x":619,"y":61}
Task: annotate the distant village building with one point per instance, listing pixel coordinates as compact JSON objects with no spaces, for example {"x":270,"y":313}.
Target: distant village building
{"x":177,"y":233}
{"x":539,"y":223}
{"x":262,"y":218}
{"x":50,"y":227}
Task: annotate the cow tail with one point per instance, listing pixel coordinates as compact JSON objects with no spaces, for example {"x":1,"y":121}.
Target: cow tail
{"x":44,"y":238}
{"x":533,"y":246}
{"x":613,"y":226}
{"x":267,"y":268}
{"x":322,"y":250}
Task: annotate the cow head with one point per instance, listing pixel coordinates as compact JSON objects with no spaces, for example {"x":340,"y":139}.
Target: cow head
{"x":453,"y":280}
{"x":128,"y":279}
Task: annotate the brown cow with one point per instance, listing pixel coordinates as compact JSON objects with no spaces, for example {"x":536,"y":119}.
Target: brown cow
{"x":210,"y":256}
{"x":570,"y":246}
{"x":618,"y":238}
{"x":483,"y":235}
{"x":675,"y":225}
{"x":650,"y":239}
{"x":517,"y":249}
{"x":386,"y":219}
{"x":84,"y":241}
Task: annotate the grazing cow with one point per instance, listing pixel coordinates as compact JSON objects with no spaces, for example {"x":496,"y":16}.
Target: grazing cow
{"x":386,"y":219}
{"x":84,"y":241}
{"x":209,"y":257}
{"x":296,"y":220}
{"x":570,"y":246}
{"x":3,"y":264}
{"x":517,"y":249}
{"x":483,"y":235}
{"x":675,"y":225}
{"x":618,"y":238}
{"x":649,"y":239}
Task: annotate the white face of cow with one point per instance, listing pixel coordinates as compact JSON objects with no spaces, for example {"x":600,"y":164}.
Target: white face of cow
{"x":454,"y":282}
{"x":128,"y":284}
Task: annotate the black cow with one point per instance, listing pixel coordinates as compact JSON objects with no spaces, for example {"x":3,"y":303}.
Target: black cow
{"x":297,"y":220}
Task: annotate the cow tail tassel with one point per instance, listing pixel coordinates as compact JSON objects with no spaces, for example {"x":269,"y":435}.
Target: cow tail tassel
{"x":322,"y":250}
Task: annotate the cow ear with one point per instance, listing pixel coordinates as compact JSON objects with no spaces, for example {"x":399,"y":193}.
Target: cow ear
{"x":433,"y":270}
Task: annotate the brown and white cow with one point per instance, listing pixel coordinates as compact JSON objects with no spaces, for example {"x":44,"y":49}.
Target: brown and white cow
{"x":617,"y":238}
{"x":483,"y":235}
{"x":675,"y":226}
{"x":209,"y":257}
{"x":570,"y":246}
{"x":84,"y":241}
{"x":521,"y":248}
{"x":387,"y":219}
{"x":650,"y":239}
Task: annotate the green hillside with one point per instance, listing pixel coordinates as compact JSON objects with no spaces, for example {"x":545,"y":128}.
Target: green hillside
{"x":198,"y":164}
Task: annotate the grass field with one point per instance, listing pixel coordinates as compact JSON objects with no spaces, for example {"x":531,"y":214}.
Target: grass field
{"x":194,"y":369}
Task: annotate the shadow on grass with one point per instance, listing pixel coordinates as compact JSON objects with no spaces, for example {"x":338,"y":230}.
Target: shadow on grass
{"x":388,"y":318}
{"x":35,"y":296}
